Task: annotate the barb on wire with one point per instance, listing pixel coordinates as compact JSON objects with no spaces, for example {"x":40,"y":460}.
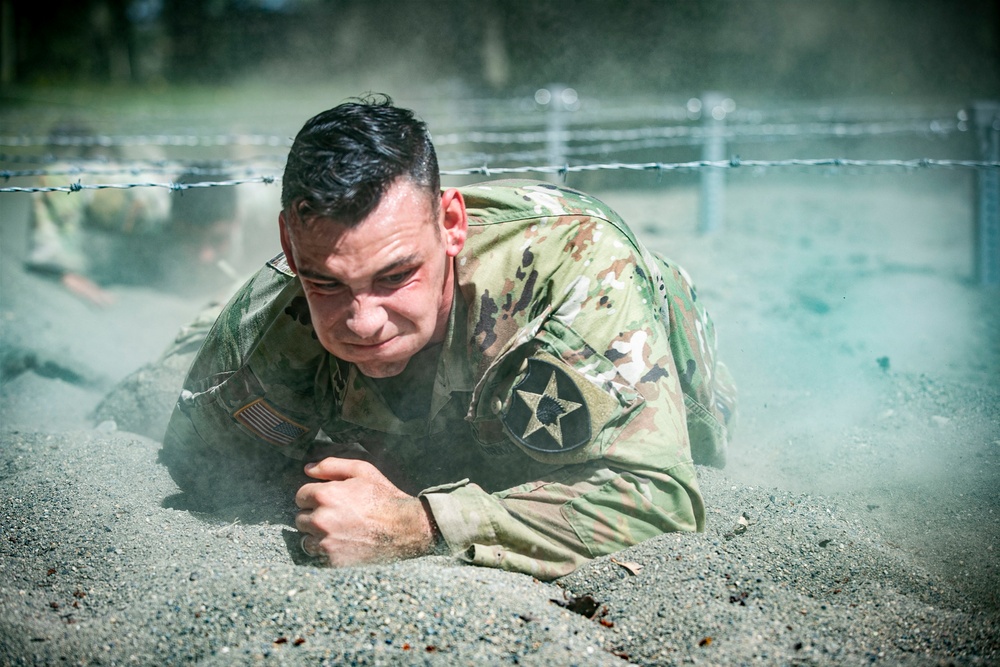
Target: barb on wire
{"x":78,"y":186}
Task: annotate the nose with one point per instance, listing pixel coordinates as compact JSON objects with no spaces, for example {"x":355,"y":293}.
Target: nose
{"x":367,"y":317}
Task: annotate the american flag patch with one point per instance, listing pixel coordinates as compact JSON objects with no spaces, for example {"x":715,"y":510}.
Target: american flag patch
{"x":266,"y":422}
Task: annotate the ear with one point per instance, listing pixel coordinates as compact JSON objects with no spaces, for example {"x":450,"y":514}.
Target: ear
{"x":286,"y":241}
{"x":455,"y":221}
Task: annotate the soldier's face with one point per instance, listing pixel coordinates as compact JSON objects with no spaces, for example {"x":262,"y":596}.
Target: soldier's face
{"x":381,"y":291}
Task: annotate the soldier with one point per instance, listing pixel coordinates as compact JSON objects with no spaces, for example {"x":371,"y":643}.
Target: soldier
{"x":92,"y":237}
{"x":73,"y":236}
{"x":500,"y":371}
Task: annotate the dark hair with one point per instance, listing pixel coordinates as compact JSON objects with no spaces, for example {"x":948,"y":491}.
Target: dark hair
{"x":344,"y":159}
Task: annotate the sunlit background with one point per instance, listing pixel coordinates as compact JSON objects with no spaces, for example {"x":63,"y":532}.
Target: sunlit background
{"x":813,"y":163}
{"x":162,"y":79}
{"x":756,"y":49}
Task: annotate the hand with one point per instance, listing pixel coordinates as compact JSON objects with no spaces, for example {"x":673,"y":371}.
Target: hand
{"x":359,"y":516}
{"x":87,"y":289}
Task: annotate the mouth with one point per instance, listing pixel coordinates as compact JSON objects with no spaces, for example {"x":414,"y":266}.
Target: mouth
{"x":370,"y":347}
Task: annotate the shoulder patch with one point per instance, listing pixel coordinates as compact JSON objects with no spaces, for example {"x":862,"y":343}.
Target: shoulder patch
{"x":280,"y":264}
{"x":547,"y":412}
{"x":264,"y":421}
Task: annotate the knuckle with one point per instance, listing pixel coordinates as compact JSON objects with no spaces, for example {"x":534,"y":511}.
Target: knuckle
{"x":303,"y":521}
{"x":324,"y":496}
{"x":364,"y":467}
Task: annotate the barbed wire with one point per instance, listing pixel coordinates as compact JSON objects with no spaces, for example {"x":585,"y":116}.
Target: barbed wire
{"x":733,"y":163}
{"x":610,"y":141}
{"x":618,"y":143}
{"x":78,"y":186}
{"x":510,"y":112}
{"x":695,"y":134}
{"x":144,"y":165}
{"x":610,"y":147}
{"x":767,"y":133}
{"x":109,"y":141}
{"x":135,"y":170}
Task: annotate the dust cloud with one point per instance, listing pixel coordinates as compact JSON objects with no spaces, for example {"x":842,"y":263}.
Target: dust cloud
{"x":860,"y":489}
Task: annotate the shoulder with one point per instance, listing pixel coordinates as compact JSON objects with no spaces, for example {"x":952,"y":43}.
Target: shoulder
{"x":535,"y":248}
{"x":508,"y":217}
{"x":513,"y":200}
{"x":269,"y":306}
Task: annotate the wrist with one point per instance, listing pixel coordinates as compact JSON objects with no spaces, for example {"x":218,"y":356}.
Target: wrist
{"x":438,"y":545}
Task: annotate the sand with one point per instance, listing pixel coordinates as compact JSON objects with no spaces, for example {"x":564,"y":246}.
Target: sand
{"x":857,"y":521}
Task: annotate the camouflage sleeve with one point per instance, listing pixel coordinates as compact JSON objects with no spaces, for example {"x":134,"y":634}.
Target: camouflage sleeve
{"x":231,"y":423}
{"x":601,"y":395}
{"x":550,"y":527}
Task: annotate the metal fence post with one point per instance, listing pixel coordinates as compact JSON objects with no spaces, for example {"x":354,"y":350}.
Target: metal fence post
{"x":987,"y":118}
{"x":712,"y":202}
{"x":558,"y":99}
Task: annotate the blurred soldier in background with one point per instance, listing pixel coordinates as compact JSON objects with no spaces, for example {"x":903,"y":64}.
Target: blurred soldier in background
{"x":141,"y":235}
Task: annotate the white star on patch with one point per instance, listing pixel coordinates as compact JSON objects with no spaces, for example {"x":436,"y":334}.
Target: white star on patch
{"x":552,"y":407}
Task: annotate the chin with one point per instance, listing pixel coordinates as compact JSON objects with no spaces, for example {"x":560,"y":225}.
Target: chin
{"x":378,"y":370}
{"x":384,"y":363}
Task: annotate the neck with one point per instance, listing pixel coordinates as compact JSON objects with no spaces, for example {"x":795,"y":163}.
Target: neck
{"x":447,"y":300}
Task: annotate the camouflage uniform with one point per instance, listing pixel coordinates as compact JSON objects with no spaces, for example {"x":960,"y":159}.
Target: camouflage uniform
{"x":60,"y":222}
{"x":554,"y":424}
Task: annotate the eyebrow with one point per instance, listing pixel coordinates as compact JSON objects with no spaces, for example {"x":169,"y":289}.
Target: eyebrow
{"x":385,"y":270}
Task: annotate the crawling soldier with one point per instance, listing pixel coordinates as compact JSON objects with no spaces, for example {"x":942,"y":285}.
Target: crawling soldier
{"x":499,"y":371}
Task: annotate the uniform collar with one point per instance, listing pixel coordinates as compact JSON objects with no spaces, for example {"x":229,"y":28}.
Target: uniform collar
{"x":364,"y":405}
{"x":454,"y":373}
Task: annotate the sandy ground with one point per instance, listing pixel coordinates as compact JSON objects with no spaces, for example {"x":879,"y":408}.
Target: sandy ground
{"x":857,"y":521}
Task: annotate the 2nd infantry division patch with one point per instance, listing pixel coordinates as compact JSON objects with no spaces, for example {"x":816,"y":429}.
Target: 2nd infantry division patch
{"x":548,"y":413}
{"x":266,"y":422}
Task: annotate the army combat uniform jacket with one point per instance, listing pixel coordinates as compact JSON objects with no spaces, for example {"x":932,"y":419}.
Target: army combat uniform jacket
{"x":554,"y":424}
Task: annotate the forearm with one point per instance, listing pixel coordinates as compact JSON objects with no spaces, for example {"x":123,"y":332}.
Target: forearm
{"x":548,"y":529}
{"x":477,"y":526}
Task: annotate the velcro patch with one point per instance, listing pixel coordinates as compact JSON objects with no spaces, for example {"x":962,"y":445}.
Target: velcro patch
{"x":263,"y":420}
{"x":280,"y":263}
{"x":548,"y":413}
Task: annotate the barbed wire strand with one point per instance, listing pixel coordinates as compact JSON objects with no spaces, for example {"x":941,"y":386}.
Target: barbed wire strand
{"x":78,"y":186}
{"x":940,"y":126}
{"x":140,"y":170}
{"x":109,"y":141}
{"x":142,"y":165}
{"x":510,"y":113}
{"x":485,"y":170}
{"x":699,"y":132}
{"x":613,"y":141}
{"x":458,"y":159}
{"x":732,"y":163}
